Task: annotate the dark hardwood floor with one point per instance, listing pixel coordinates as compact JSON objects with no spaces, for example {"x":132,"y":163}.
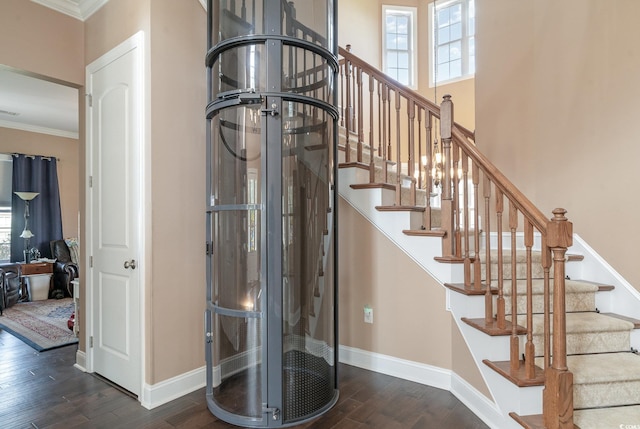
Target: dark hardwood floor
{"x":44,"y":390}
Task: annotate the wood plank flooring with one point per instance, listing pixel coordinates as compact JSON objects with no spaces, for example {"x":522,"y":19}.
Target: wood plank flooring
{"x":44,"y":390}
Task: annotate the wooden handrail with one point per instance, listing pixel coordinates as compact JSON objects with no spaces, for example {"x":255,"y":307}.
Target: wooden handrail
{"x":455,"y":167}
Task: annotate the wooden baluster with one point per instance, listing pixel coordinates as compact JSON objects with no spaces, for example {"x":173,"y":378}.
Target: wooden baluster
{"x":342,"y":91}
{"x":243,"y":11}
{"x":488,"y":295}
{"x":477,"y":280}
{"x":398,"y":152}
{"x":428,"y":123}
{"x":389,"y":144}
{"x":465,"y":215}
{"x":360,"y":122}
{"x":419,"y":144}
{"x":380,"y":107}
{"x":411,"y":115}
{"x":515,"y":341}
{"x":447,"y":218}
{"x":546,"y":266}
{"x":349,"y":108}
{"x":500,"y":301}
{"x":386,"y":133}
{"x":558,"y":386}
{"x":372,"y":155}
{"x":529,"y":348}
{"x":455,"y":173}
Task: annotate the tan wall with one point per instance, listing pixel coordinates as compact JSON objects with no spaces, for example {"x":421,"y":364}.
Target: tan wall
{"x":175,"y":39}
{"x":39,"y":40}
{"x":66,"y":150}
{"x":410,"y":319}
{"x":178,"y":93}
{"x":557,"y":107}
{"x":464,"y":365}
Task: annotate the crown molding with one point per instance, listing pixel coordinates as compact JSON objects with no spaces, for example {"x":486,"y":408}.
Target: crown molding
{"x":38,"y":129}
{"x":78,"y":9}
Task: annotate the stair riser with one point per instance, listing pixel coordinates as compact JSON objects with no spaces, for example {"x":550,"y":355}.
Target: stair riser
{"x":575,"y":302}
{"x":606,"y":394}
{"x":592,"y":342}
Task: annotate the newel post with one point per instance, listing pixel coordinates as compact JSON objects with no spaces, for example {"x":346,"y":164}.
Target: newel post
{"x":447,"y":218}
{"x":558,"y":386}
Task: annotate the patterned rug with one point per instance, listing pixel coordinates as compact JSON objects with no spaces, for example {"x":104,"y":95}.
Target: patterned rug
{"x":40,"y":324}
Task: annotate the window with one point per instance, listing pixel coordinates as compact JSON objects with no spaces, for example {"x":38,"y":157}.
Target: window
{"x":399,"y":44}
{"x":6,"y":165}
{"x":452,"y":50}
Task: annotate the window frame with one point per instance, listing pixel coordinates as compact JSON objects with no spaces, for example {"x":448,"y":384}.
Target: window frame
{"x":467,"y":69}
{"x":412,"y":13}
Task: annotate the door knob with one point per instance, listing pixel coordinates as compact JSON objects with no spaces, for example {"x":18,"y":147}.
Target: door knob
{"x":130,"y":264}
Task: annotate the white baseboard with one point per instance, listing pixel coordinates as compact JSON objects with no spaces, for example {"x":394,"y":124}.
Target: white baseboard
{"x":173,"y":388}
{"x":428,"y":375}
{"x":81,"y":361}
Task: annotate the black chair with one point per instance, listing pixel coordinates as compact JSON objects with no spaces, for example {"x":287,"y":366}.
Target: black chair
{"x":64,"y":269}
{"x":9,"y":285}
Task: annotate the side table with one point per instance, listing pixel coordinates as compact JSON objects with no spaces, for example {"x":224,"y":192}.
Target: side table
{"x":36,"y":278}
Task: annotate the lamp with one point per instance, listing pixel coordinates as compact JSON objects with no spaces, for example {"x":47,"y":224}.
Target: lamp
{"x":26,"y":233}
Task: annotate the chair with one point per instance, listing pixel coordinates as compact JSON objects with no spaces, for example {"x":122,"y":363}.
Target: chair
{"x":9,"y":285}
{"x":64,"y":269}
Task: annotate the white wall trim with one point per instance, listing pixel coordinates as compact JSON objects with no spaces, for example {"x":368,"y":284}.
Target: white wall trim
{"x":428,"y":375}
{"x":81,"y":361}
{"x":38,"y":129}
{"x":173,"y":388}
{"x":396,"y":367}
{"x":78,"y":9}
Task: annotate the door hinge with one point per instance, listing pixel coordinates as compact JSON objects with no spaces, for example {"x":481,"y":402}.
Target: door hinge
{"x":90,"y":261}
{"x":89,"y":99}
{"x":91,"y":341}
{"x":209,"y":248}
{"x":91,"y":181}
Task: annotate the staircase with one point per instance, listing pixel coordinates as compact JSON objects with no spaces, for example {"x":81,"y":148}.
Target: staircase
{"x":564,"y":362}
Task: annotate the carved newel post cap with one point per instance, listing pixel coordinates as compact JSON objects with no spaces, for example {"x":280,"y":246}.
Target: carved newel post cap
{"x":559,"y":230}
{"x":349,"y":48}
{"x":446,"y":97}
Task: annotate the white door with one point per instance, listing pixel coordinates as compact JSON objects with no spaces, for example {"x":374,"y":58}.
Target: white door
{"x":115,"y":139}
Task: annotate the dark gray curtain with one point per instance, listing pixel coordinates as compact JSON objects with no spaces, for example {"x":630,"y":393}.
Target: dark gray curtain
{"x":35,"y":174}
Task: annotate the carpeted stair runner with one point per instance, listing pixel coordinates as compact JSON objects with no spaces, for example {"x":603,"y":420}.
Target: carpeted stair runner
{"x":606,"y":375}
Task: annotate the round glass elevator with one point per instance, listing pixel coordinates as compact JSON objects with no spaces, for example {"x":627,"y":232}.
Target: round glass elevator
{"x":271,"y":318}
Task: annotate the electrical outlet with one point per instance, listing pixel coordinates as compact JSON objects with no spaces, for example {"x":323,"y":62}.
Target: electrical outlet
{"x":368,"y":314}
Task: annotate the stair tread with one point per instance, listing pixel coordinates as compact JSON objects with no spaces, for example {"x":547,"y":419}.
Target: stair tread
{"x":400,"y":208}
{"x":373,"y":186}
{"x":612,"y":417}
{"x":534,"y":421}
{"x":571,"y":286}
{"x":518,"y":378}
{"x":521,"y":256}
{"x":424,"y":232}
{"x":583,"y":323}
{"x":636,"y":322}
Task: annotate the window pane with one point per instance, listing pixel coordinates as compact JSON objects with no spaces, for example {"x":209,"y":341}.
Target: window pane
{"x":391,"y":24}
{"x":403,"y":76}
{"x":455,"y":69}
{"x":456,"y":31}
{"x":456,"y":13}
{"x":442,"y":72}
{"x":443,"y":36}
{"x":443,"y":17}
{"x":392,"y":60}
{"x":402,"y":43}
{"x":403,"y":60}
{"x":455,"y":51}
{"x":392,"y":41}
{"x":393,"y":73}
{"x":403,"y":24}
{"x":443,"y":54}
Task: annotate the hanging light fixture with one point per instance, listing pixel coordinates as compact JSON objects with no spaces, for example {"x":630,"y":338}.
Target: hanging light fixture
{"x":437,"y":169}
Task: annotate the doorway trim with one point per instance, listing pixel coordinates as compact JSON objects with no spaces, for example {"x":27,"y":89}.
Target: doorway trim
{"x":137,"y":43}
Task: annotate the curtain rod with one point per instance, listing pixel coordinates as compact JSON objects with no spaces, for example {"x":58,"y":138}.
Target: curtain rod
{"x":45,"y":157}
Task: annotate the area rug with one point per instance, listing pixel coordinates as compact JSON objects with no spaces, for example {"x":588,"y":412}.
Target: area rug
{"x":40,"y":324}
